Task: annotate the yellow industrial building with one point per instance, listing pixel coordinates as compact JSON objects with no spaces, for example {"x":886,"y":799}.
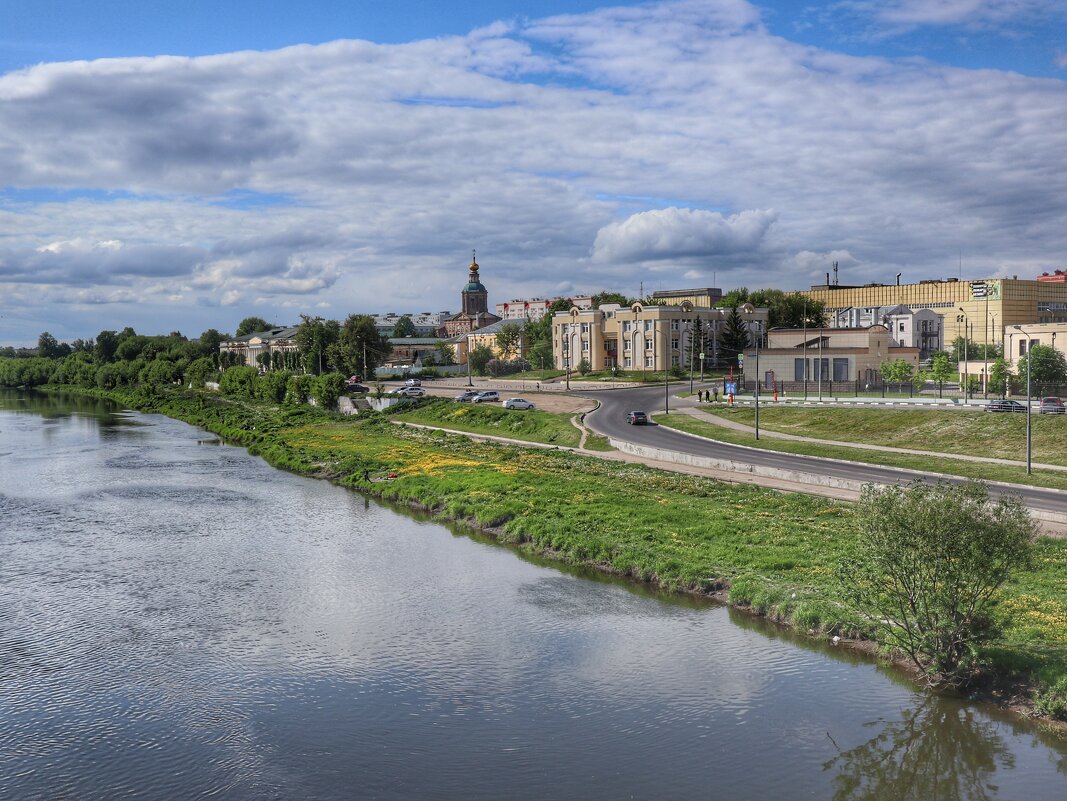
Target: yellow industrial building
{"x":985,"y":307}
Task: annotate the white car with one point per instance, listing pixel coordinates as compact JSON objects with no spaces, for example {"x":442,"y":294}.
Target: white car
{"x":409,"y":392}
{"x":413,"y":382}
{"x":518,"y":403}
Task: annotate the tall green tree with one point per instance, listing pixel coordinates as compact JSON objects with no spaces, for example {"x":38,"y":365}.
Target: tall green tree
{"x":209,"y":342}
{"x":898,"y":371}
{"x":313,"y":338}
{"x":941,"y":370}
{"x":106,"y":344}
{"x":47,"y":346}
{"x":479,"y":358}
{"x":927,"y":566}
{"x":605,"y":296}
{"x":404,"y":328}
{"x":444,"y":353}
{"x":1047,"y":365}
{"x":734,"y":334}
{"x":1000,"y":376}
{"x":509,"y":340}
{"x":357,"y":339}
{"x":253,"y":325}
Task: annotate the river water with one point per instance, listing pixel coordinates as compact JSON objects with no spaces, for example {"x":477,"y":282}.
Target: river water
{"x":179,"y":620}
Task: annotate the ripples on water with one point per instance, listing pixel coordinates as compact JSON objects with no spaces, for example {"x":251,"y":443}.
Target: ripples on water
{"x":183,"y":621}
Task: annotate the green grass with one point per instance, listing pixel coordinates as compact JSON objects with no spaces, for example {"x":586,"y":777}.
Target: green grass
{"x":777,"y":551}
{"x":930,"y":464}
{"x":531,"y":426}
{"x":973,"y":433}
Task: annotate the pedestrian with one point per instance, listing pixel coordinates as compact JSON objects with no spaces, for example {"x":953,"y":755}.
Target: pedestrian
{"x":538,"y":386}
{"x":366,"y":475}
{"x":716,"y":394}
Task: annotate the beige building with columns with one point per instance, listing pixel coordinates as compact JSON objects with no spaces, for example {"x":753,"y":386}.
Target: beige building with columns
{"x":639,"y":337}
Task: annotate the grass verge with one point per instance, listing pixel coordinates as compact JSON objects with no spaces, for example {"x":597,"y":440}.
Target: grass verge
{"x":971,"y":433}
{"x":774,"y":551}
{"x":983,"y":471}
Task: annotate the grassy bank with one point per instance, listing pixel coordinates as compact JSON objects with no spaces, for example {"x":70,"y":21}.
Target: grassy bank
{"x":775,"y":551}
{"x":531,"y":425}
{"x":931,"y":464}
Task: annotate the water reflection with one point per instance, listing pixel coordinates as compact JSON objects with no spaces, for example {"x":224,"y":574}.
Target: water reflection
{"x":936,"y":750}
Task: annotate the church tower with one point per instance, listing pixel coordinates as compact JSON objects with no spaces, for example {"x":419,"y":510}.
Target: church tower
{"x":475,"y":296}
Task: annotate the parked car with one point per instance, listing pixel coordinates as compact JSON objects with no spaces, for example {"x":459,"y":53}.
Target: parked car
{"x":409,"y":392}
{"x":355,"y":379}
{"x":637,"y":419}
{"x":413,"y":382}
{"x":1051,"y":406}
{"x":351,"y":386}
{"x":518,"y":403}
{"x":1005,"y":406}
{"x":466,"y":396}
{"x":488,"y":396}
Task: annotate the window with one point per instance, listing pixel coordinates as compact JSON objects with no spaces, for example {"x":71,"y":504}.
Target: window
{"x":648,"y":344}
{"x":674,"y":359}
{"x":674,"y":343}
{"x":626,"y":345}
{"x":649,"y":325}
{"x":841,"y":369}
{"x":798,"y":369}
{"x":901,"y":326}
{"x":648,"y":361}
{"x":585,"y":328}
{"x":585,"y":346}
{"x":674,"y":325}
{"x":563,"y":329}
{"x":1022,"y":347}
{"x":628,"y":362}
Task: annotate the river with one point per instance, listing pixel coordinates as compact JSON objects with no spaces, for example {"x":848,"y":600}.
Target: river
{"x":180,"y":620}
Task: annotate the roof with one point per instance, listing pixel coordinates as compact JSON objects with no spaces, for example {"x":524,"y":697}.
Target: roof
{"x":495,"y":328}
{"x":284,"y":332}
{"x":415,"y":340}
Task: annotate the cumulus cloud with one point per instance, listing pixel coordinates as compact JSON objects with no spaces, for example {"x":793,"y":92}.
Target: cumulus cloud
{"x":578,"y":151}
{"x":678,"y":234}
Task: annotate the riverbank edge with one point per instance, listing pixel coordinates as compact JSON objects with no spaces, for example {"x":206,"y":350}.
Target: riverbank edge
{"x":1009,"y":692}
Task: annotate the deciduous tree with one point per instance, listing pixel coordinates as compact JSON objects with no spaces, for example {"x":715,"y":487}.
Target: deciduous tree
{"x":927,"y":566}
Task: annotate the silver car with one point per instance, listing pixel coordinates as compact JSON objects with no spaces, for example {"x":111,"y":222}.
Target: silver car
{"x":518,"y":403}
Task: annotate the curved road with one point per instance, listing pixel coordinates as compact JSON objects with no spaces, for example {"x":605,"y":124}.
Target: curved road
{"x":610,"y":420}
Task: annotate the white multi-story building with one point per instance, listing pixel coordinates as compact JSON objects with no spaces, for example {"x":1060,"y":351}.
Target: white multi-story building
{"x":536,"y":308}
{"x":427,"y":324}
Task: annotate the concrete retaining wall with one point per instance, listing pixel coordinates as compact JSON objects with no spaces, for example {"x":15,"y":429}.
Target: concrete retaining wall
{"x":659,"y":455}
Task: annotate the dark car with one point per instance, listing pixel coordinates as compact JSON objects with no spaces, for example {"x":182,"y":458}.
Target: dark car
{"x":351,"y":386}
{"x":1005,"y":406}
{"x":637,"y":419}
{"x":1051,"y":406}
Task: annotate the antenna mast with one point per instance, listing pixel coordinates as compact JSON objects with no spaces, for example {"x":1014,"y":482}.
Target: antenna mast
{"x":835,"y":274}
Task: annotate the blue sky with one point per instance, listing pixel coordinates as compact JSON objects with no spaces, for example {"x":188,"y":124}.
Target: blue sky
{"x":276,"y":158}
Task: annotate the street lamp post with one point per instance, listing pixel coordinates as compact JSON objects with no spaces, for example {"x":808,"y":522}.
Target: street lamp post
{"x":1029,"y":439}
{"x":689,"y":331}
{"x":666,"y":367}
{"x":962,"y":318}
{"x":757,"y":378}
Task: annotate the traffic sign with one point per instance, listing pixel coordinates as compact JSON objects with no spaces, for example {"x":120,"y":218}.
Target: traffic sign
{"x":730,"y":388}
{"x":701,"y":357}
{"x":740,"y":357}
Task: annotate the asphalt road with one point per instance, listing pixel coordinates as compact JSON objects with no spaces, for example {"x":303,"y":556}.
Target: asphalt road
{"x":610,"y":419}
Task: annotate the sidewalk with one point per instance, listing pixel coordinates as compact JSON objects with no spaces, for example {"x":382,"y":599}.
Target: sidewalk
{"x":734,"y":426}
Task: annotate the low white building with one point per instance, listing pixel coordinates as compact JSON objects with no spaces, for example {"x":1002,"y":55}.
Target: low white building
{"x":536,"y":308}
{"x":908,"y":328}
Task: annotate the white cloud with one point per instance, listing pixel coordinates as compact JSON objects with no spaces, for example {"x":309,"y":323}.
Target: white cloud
{"x":908,"y":14}
{"x":360,"y":176}
{"x":680,"y":234}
